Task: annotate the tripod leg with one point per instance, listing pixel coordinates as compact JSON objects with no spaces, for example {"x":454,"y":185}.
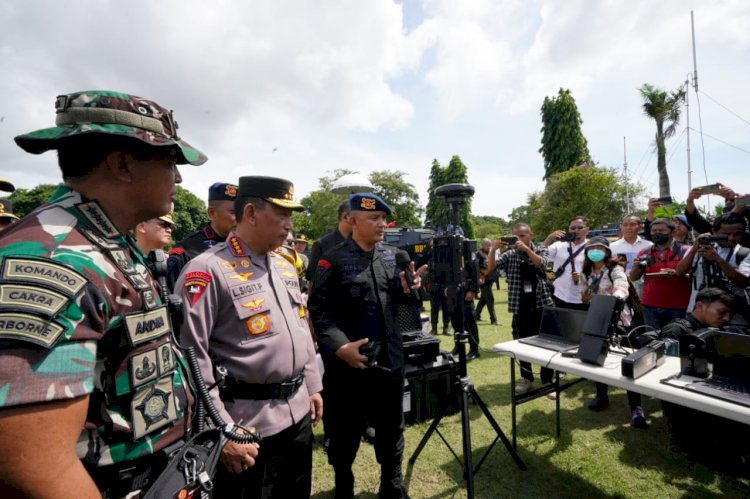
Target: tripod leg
{"x":475,"y":396}
{"x":425,"y":438}
{"x":466,"y":431}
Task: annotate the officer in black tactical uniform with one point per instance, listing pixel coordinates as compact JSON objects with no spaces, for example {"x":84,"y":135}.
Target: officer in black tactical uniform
{"x":221,"y":218}
{"x":353,"y":305}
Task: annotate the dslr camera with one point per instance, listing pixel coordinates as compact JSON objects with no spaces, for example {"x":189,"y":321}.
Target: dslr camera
{"x":705,"y":240}
{"x":568,"y":237}
{"x":646,"y":260}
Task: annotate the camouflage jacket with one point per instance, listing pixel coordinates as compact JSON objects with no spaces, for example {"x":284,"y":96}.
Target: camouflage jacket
{"x":80,"y":315}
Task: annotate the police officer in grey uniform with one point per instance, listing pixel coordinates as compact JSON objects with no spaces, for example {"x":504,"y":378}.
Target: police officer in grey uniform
{"x":244,"y":313}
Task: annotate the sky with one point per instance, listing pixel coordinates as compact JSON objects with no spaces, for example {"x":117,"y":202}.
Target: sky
{"x":297,"y":89}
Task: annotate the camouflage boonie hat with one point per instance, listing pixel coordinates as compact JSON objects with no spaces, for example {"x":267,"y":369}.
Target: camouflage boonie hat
{"x":112,"y":113}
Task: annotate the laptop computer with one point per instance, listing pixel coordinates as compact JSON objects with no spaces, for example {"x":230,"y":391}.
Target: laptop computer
{"x":560,"y":330}
{"x":730,"y":378}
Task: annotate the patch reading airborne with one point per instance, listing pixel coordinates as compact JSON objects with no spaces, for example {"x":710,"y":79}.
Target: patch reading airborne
{"x":146,"y":326}
{"x":46,"y":272}
{"x":31,"y":299}
{"x":25,"y":327}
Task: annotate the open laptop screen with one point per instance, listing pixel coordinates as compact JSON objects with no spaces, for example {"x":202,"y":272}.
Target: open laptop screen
{"x":732,"y":360}
{"x":565,"y":323}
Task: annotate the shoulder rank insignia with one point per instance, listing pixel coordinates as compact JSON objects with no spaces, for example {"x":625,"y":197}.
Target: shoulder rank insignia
{"x":235,"y":246}
{"x":96,"y":216}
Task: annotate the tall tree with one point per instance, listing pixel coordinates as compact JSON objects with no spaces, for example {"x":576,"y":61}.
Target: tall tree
{"x":321,"y":205}
{"x":25,"y":200}
{"x":664,"y":108}
{"x":400,"y":195}
{"x":563,"y":143}
{"x":594,"y":192}
{"x":189,"y":214}
{"x":436,"y":210}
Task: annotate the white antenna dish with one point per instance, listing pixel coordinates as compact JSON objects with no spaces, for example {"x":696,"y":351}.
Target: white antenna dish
{"x":351,"y":183}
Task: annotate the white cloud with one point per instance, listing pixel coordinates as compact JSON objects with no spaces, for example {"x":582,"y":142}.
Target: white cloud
{"x":341,"y":84}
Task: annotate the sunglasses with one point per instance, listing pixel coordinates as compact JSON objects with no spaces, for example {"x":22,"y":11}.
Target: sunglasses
{"x":163,"y":224}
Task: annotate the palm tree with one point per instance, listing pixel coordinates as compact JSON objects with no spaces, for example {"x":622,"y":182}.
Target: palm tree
{"x":664,"y":109}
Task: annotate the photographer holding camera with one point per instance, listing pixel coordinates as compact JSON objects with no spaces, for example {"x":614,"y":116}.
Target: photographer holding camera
{"x":721,"y":262}
{"x":567,"y":259}
{"x":528,"y":291}
{"x":665,"y":292}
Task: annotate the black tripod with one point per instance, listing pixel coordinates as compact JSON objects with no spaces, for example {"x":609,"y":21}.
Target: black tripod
{"x":463,"y":383}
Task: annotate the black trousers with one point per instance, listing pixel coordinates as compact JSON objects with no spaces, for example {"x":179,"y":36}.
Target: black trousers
{"x":437,"y":303}
{"x":355,"y":397}
{"x":466,"y":312}
{"x":486,"y":298}
{"x":283,"y":468}
{"x":526,"y":323}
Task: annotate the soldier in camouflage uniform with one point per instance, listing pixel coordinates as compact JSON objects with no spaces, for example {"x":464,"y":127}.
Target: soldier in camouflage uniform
{"x":221,"y":218}
{"x":93,"y":393}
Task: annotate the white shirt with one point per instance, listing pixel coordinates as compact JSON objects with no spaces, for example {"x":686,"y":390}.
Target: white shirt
{"x":698,"y":275}
{"x":622,"y":247}
{"x":565,"y":289}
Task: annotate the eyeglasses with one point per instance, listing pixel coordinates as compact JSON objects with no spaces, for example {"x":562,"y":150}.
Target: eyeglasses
{"x":576,"y":227}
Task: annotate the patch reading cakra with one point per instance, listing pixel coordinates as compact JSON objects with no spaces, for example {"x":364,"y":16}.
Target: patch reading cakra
{"x":31,"y":299}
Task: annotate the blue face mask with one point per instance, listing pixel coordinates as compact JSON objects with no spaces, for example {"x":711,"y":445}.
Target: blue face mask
{"x":596,"y":255}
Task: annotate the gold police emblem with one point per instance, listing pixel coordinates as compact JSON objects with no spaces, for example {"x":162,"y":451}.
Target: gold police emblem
{"x":231,"y":191}
{"x":367,"y":204}
{"x":258,"y":324}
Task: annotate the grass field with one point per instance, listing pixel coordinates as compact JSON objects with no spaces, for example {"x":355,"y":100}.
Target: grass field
{"x":597,"y":455}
